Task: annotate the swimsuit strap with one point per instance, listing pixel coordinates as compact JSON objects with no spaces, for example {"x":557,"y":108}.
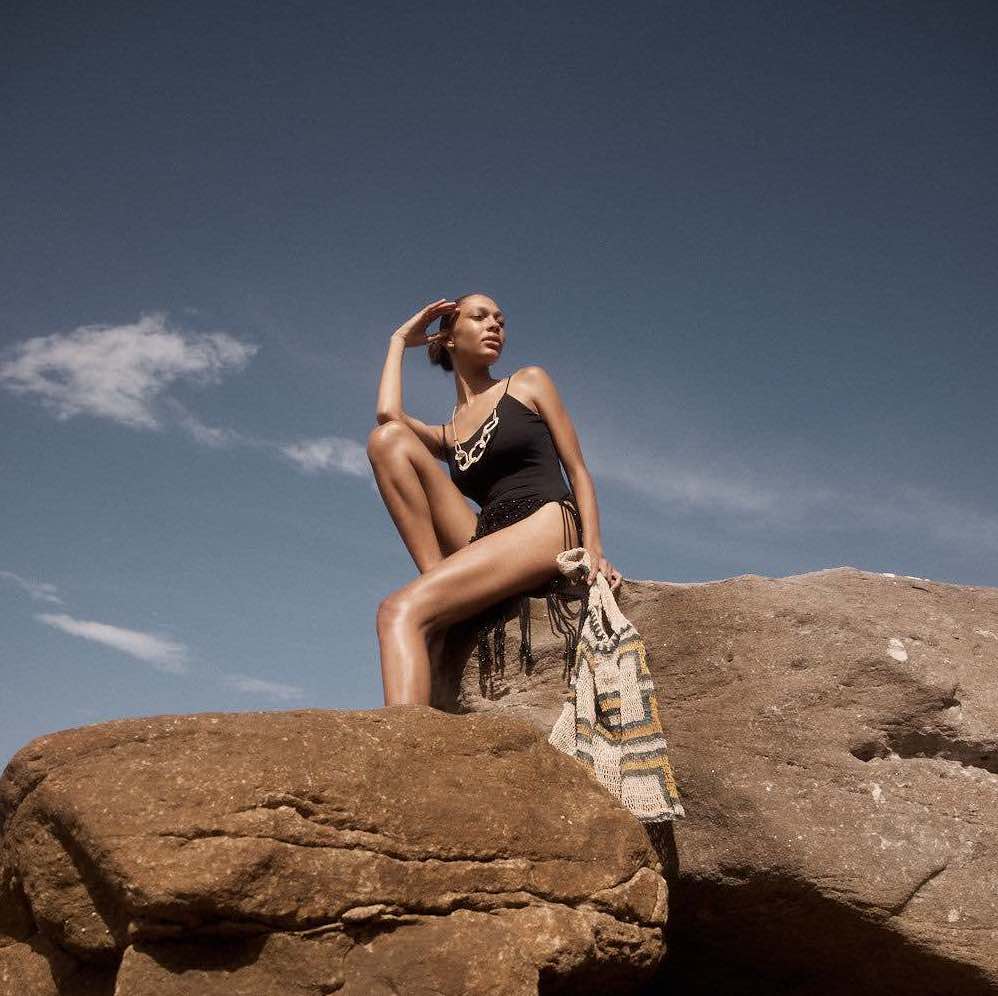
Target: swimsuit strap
{"x":570,"y":512}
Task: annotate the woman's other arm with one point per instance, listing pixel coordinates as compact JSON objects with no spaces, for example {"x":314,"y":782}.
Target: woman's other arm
{"x":389,"y":405}
{"x":548,"y":402}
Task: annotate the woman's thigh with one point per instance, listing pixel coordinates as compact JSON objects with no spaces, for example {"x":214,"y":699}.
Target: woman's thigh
{"x":454,"y":520}
{"x":516,"y":558}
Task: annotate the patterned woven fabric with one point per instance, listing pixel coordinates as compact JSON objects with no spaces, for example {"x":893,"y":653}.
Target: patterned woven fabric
{"x":610,"y":721}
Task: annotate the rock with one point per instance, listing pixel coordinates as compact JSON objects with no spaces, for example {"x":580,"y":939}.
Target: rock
{"x":390,"y":850}
{"x":834,"y":737}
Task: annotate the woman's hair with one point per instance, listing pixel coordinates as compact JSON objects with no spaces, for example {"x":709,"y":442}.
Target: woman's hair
{"x":437,"y":351}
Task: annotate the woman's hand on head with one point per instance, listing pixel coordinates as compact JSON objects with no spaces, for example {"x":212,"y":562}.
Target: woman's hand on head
{"x":603,"y":566}
{"x":413,"y":332}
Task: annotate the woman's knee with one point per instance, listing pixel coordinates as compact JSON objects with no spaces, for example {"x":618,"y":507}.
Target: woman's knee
{"x":387,"y":437}
{"x":402,"y":606}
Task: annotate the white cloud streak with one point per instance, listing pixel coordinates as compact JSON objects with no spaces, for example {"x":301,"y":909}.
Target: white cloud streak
{"x":42,"y":591}
{"x":123,"y":373}
{"x":274,"y":689}
{"x":118,"y":372}
{"x":164,"y":654}
{"x":656,"y":477}
{"x":214,"y":437}
{"x":329,"y":453}
{"x":773,"y":500}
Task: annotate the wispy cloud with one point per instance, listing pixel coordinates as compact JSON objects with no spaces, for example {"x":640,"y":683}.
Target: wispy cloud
{"x":923,"y":511}
{"x":123,"y":373}
{"x":118,"y":372}
{"x":329,"y":453}
{"x":275,"y":689}
{"x":40,"y":590}
{"x":781,"y":499}
{"x":163,"y":654}
{"x":657,"y":477}
{"x":217,"y":437}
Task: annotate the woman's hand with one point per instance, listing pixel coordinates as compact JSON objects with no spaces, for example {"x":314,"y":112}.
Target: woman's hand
{"x":413,"y":332}
{"x":601,"y":565}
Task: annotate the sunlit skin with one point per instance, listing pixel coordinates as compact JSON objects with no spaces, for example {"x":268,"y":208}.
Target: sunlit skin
{"x":457,"y":578}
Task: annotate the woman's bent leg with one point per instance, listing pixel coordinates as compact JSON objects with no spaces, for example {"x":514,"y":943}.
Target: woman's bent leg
{"x":432,"y":516}
{"x":403,"y":494}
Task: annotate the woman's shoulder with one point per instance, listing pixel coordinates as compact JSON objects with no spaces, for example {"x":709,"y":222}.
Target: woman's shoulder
{"x":523,"y":385}
{"x":533,"y":376}
{"x":532,"y":371}
{"x":535,"y":383}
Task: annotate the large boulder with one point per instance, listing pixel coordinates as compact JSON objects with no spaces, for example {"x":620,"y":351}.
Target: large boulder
{"x":834,"y":737}
{"x":393,"y":850}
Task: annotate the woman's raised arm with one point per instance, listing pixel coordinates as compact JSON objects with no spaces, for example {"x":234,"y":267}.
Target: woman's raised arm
{"x":389,"y":405}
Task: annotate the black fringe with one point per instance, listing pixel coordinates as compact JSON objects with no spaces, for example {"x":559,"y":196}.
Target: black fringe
{"x":558,"y":594}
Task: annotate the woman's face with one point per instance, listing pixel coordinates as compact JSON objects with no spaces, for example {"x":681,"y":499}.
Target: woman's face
{"x":480,"y":327}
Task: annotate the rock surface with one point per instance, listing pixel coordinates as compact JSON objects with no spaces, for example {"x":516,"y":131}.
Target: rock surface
{"x":834,"y":737}
{"x":315,"y":851}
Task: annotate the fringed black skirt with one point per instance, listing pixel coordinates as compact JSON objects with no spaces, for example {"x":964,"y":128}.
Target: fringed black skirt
{"x":559,"y":594}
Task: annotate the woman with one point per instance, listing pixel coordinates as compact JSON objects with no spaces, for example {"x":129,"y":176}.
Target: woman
{"x":503,"y":453}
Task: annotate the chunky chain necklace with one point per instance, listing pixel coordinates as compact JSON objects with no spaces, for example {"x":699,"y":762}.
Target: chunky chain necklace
{"x":465,"y":458}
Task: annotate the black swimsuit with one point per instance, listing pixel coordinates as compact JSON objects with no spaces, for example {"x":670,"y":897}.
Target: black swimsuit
{"x":517,"y":473}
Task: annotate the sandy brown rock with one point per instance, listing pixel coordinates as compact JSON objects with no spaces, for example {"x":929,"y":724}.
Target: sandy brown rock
{"x":505,"y":953}
{"x":37,"y":967}
{"x":16,"y":923}
{"x":327,"y":850}
{"x":834,"y":737}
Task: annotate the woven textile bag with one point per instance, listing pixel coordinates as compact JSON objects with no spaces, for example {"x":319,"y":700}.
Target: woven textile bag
{"x":610,"y":720}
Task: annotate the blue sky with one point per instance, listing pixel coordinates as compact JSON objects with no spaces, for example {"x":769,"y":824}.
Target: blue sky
{"x":753,"y":243}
